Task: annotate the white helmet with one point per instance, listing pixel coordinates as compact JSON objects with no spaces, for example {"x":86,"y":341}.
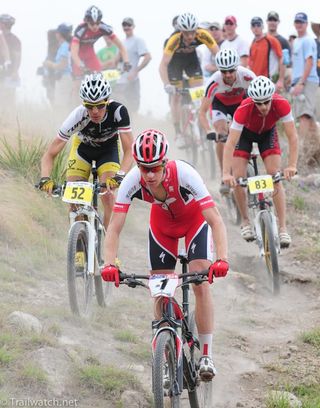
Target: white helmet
{"x":187,"y":22}
{"x":261,"y":89}
{"x":227,"y":59}
{"x":94,"y":88}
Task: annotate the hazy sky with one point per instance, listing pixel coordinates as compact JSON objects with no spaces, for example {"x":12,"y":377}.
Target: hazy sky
{"x":153,"y":23}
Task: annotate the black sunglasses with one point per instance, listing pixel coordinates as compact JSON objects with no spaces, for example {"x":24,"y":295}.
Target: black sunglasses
{"x":226,"y":71}
{"x":263,"y":103}
{"x":256,"y":25}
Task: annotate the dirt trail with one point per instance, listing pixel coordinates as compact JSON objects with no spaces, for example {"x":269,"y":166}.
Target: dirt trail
{"x":254,"y":332}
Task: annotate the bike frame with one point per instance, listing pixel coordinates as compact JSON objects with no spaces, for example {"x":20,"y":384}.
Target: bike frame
{"x":265,"y":205}
{"x":92,"y":224}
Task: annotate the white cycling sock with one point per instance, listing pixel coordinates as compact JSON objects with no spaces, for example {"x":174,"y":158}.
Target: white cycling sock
{"x":206,"y":344}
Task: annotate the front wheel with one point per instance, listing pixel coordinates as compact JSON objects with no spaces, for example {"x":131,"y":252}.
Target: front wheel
{"x":80,"y":283}
{"x":164,"y":372}
{"x":270,"y":252}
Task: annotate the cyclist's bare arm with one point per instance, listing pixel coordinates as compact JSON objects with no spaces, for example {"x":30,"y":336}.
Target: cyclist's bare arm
{"x":119,"y":44}
{"x":163,"y":68}
{"x":112,"y":237}
{"x":126,"y":142}
{"x":48,"y":158}
{"x":74,"y":49}
{"x":291,"y":133}
{"x":233,"y":138}
{"x":204,"y":109}
{"x":214,"y":219}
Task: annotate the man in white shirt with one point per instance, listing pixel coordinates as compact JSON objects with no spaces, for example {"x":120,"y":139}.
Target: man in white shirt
{"x":233,"y":40}
{"x":128,"y":86}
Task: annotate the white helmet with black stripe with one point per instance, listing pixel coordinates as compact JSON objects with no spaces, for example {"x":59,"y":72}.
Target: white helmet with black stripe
{"x":187,"y":22}
{"x":94,"y":88}
{"x":227,"y":58}
{"x":261,"y":89}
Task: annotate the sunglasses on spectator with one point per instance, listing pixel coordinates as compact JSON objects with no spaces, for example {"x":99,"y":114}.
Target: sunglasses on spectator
{"x":272,"y":19}
{"x":99,"y":105}
{"x":126,"y":26}
{"x":256,"y":25}
{"x":263,"y":103}
{"x":154,"y":169}
{"x":229,"y":23}
{"x":227,"y":71}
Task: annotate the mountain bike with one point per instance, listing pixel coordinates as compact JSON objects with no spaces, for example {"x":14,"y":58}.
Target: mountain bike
{"x":175,"y":347}
{"x":199,"y":150}
{"x":233,"y":212}
{"x":264,"y":220}
{"x":85,"y":244}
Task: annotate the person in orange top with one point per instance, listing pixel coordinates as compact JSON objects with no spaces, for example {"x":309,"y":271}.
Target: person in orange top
{"x":266,"y":54}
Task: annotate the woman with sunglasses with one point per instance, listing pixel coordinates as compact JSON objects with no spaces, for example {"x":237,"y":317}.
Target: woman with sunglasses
{"x":225,"y":91}
{"x":255,"y":121}
{"x":181,"y":207}
{"x":96,"y":126}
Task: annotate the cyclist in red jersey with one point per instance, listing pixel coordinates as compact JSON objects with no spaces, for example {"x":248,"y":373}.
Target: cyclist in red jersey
{"x":181,"y":207}
{"x":255,"y":121}
{"x":86,"y":34}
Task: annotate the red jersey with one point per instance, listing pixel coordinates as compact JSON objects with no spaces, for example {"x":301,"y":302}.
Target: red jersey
{"x":247,"y":115}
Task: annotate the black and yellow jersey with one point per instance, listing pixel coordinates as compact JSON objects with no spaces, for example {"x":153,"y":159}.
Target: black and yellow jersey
{"x":175,"y":43}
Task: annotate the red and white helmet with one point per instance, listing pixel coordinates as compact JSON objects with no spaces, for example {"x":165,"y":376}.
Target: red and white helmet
{"x":150,"y":147}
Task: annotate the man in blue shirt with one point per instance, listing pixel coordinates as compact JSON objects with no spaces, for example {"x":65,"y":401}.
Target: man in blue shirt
{"x":305,"y":82}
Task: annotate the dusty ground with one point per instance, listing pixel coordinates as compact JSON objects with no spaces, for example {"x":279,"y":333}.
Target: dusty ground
{"x":257,"y":341}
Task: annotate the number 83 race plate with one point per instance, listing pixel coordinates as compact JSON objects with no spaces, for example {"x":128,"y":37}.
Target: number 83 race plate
{"x":78,"y":192}
{"x":260,"y":184}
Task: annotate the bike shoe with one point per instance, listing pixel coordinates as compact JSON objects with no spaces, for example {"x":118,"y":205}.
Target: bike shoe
{"x":224,"y":189}
{"x":285,"y":240}
{"x":207,"y":369}
{"x":247,"y":233}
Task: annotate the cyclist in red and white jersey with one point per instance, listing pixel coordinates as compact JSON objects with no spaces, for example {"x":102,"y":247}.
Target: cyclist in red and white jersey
{"x":255,"y":121}
{"x":86,"y":34}
{"x":225,"y":91}
{"x":181,"y":207}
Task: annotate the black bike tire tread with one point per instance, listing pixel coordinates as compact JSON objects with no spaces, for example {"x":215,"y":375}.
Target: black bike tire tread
{"x":98,"y":284}
{"x":77,"y":230}
{"x":266,"y":225}
{"x":164,"y":338}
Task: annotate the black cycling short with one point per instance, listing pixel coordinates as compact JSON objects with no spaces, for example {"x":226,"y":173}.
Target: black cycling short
{"x":268,"y":143}
{"x":226,"y":109}
{"x":188,"y":62}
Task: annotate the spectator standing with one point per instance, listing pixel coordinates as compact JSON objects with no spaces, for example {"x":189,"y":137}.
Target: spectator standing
{"x":305,"y":82}
{"x":233,"y":40}
{"x":207,"y":60}
{"x":61,"y":67}
{"x":10,"y":61}
{"x":316,"y":29}
{"x":266,"y":54}
{"x":273,"y":21}
{"x":128,"y":86}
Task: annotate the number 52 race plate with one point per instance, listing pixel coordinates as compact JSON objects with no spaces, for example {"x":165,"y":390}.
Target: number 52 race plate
{"x":78,"y":192}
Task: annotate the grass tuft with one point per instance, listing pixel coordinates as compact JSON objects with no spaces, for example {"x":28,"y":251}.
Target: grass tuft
{"x":32,"y":375}
{"x":312,"y":337}
{"x":126,"y":336}
{"x":107,"y":380}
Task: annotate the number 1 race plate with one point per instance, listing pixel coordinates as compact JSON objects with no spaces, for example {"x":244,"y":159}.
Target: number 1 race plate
{"x":163,"y":285}
{"x":78,"y":192}
{"x":260,"y":184}
{"x":196,"y":93}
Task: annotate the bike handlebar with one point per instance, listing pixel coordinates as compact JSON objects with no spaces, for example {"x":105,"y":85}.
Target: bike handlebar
{"x":133,"y":280}
{"x":243,"y":182}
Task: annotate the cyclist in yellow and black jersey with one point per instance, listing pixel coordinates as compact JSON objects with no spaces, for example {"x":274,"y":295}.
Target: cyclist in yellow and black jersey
{"x":182,"y":46}
{"x":97,"y":127}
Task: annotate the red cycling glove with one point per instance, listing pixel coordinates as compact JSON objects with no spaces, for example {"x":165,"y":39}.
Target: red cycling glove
{"x":218,"y":269}
{"x":110,"y":273}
